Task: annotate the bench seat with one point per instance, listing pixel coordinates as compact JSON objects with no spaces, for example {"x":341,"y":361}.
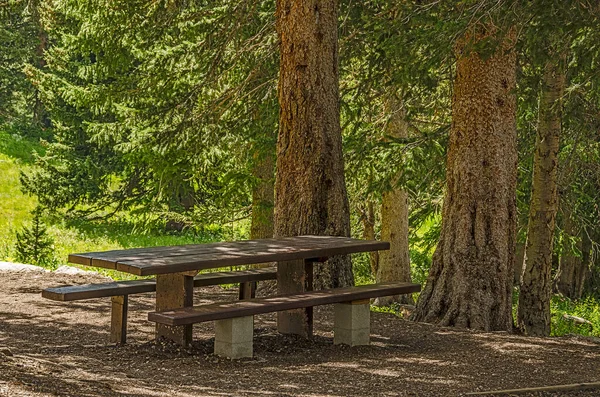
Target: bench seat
{"x":131,"y":287}
{"x":351,"y":318}
{"x":120,"y":290}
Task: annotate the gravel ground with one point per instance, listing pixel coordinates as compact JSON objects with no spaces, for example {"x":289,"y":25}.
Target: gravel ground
{"x":52,"y":348}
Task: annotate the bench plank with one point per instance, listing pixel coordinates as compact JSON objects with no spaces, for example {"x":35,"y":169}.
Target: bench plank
{"x":91,"y":291}
{"x":225,"y":310}
{"x":119,"y":288}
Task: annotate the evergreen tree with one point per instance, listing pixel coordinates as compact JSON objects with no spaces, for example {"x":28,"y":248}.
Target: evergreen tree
{"x":310,"y":184}
{"x":34,"y":245}
{"x":153,"y":107}
{"x":470,"y":280}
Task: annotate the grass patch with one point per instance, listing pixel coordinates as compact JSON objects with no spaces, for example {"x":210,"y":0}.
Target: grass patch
{"x":119,"y":233}
{"x":395,"y":308}
{"x":16,"y":154}
{"x":20,"y":149}
{"x":586,"y":308}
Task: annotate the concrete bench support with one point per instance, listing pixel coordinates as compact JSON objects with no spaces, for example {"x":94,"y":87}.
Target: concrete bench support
{"x":233,"y":337}
{"x":352,"y":323}
{"x":234,"y":319}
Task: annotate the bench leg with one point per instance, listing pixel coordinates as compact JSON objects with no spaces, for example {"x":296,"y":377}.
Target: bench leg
{"x":233,"y":337}
{"x":118,"y":319}
{"x":352,"y":323}
{"x":174,"y":291}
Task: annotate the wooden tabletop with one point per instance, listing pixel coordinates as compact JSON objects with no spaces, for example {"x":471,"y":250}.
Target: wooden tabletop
{"x":181,"y":258}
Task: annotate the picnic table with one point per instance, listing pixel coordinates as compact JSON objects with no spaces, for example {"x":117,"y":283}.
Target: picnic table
{"x":176,"y":266}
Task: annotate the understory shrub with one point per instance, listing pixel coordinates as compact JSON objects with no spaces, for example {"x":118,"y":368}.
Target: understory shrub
{"x":33,"y":243}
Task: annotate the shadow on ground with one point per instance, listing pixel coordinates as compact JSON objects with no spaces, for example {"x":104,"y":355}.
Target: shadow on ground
{"x":61,"y":349}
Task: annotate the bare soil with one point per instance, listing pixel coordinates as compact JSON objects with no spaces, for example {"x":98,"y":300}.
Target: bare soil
{"x":52,"y":348}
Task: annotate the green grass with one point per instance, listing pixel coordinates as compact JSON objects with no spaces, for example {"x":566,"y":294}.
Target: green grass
{"x":587,"y":308}
{"x":16,"y":154}
{"x":119,"y":233}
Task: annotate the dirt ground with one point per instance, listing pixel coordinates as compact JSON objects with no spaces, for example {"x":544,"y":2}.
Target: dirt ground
{"x":51,"y":348}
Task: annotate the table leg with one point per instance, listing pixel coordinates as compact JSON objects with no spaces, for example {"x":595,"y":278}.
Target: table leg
{"x":118,"y":319}
{"x":295,"y":277}
{"x":247,"y":290}
{"x":174,"y":291}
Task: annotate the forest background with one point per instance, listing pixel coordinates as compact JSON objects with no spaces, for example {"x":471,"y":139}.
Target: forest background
{"x":144,"y":122}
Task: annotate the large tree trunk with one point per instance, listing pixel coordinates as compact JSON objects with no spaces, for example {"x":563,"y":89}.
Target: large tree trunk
{"x":182,"y":200}
{"x":310,"y":187}
{"x":263,"y":201}
{"x":394,"y":265}
{"x":470,"y":280}
{"x":533,"y":314}
{"x":263,"y":196}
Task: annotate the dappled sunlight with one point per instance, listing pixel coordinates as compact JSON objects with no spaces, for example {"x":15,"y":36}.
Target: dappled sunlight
{"x":435,"y":380}
{"x":521,"y":348}
{"x":384,"y":372}
{"x":341,"y":365}
{"x":148,"y":261}
{"x":422,"y":360}
{"x":64,"y":345}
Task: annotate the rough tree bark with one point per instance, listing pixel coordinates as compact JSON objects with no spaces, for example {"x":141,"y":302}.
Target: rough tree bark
{"x":310,"y":187}
{"x":470,"y":280}
{"x":533,"y":314}
{"x":263,"y":196}
{"x":394,"y":265}
{"x":263,"y":202}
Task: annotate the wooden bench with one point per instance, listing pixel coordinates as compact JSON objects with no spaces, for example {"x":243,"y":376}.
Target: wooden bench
{"x":120,"y":290}
{"x":234,"y":320}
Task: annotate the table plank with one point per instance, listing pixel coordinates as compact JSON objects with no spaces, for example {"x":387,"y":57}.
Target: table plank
{"x":163,"y":260}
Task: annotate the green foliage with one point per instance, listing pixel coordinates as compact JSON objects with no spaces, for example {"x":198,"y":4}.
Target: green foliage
{"x":15,"y":155}
{"x":587,"y":308}
{"x":361,"y":268}
{"x":154,"y":108}
{"x":79,"y":235}
{"x":17,"y":40}
{"x":160,"y":110}
{"x":395,"y":308}
{"x":33,"y":243}
{"x":19,"y":148}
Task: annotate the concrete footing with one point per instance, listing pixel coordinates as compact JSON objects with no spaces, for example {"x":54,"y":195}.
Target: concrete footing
{"x":233,"y":337}
{"x":352,"y":323}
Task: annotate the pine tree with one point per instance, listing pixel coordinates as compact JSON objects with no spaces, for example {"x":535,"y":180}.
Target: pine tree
{"x":33,"y":244}
{"x":310,"y":184}
{"x":470,"y":280}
